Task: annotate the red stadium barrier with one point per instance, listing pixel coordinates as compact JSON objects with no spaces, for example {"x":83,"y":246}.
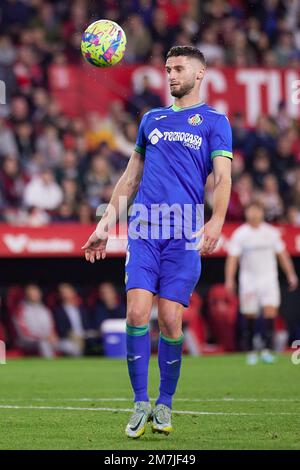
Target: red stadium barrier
{"x":66,"y":240}
{"x":250,"y":91}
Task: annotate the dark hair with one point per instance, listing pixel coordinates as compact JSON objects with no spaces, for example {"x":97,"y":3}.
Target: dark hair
{"x":187,"y":51}
{"x":255,"y":203}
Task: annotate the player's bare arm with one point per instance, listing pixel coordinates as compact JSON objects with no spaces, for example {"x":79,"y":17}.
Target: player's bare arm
{"x":231,"y":267}
{"x":211,"y":231}
{"x":287,"y":266}
{"x":127,"y":186}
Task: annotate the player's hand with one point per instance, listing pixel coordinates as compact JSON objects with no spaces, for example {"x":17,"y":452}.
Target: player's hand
{"x":293,"y":282}
{"x":210,"y":234}
{"x":95,"y":247}
{"x":230,"y":286}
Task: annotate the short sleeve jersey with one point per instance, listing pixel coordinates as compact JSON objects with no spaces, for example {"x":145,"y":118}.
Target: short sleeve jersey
{"x":178,"y":145}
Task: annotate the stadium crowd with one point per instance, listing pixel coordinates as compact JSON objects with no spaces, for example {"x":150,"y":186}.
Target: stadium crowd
{"x":53,"y":168}
{"x":57,"y":321}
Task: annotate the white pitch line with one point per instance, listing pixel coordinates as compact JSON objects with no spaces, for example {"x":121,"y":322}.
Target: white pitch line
{"x":186,"y":400}
{"x":127,"y":410}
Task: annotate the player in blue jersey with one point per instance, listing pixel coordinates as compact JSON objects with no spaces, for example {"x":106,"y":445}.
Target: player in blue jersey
{"x":176,"y":149}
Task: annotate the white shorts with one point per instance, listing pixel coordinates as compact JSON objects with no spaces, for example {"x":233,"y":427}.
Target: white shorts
{"x":253,"y":298}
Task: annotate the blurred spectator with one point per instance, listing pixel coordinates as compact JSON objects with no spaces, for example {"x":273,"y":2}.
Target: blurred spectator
{"x":161,"y":33}
{"x":7,"y":141}
{"x":71,"y":191}
{"x":43,"y":192}
{"x":296,"y":194}
{"x":19,"y":110}
{"x":98,"y":181}
{"x":50,"y":146}
{"x":238,"y":166}
{"x":261,"y":136}
{"x":84,"y":213}
{"x":108,"y":305}
{"x":189,"y":26}
{"x":65,"y":213}
{"x":27,"y":69}
{"x":34,"y":324}
{"x":157,"y":58}
{"x":194,"y":326}
{"x":240,"y":51}
{"x":99,"y":131}
{"x":208,"y":45}
{"x":283,"y":121}
{"x":173,"y":10}
{"x":68,"y":167}
{"x":293,"y":216}
{"x":36,"y":217}
{"x":271,"y":198}
{"x":284,"y":158}
{"x":239,"y":131}
{"x":145,"y":10}
{"x":125,"y":142}
{"x":242,"y":192}
{"x":40,"y":102}
{"x":145,"y":98}
{"x":12,"y":182}
{"x":285,"y":48}
{"x":138,"y":39}
{"x":261,"y":166}
{"x":7,"y":51}
{"x":35,"y":164}
{"x":222,"y":315}
{"x":15,"y":13}
{"x":25,"y":140}
{"x":71,"y":320}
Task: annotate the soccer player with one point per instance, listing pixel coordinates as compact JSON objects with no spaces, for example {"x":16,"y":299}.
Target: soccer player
{"x":177,"y":147}
{"x":255,"y":246}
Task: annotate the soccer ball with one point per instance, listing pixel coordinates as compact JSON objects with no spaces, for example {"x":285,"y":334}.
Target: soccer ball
{"x":103,"y":43}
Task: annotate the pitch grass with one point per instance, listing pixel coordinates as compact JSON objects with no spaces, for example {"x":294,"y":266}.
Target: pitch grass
{"x":261,"y":405}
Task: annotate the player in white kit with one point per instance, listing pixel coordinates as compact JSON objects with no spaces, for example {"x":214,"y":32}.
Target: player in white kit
{"x":255,"y":246}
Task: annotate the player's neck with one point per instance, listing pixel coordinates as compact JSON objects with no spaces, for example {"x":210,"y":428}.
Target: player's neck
{"x":192,"y":99}
{"x":255,"y":225}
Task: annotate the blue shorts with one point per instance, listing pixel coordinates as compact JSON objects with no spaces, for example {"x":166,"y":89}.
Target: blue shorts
{"x":164,"y":267}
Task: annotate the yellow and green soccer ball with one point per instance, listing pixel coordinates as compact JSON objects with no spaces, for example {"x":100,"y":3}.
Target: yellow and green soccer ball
{"x":103,"y":43}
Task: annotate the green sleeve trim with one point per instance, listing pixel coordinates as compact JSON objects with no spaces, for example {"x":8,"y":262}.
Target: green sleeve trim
{"x":136,"y":330}
{"x":172,"y":340}
{"x":140,"y":150}
{"x":221,"y":153}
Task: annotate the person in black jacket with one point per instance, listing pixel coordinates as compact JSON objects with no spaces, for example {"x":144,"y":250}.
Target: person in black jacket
{"x":71,"y":320}
{"x":108,"y":305}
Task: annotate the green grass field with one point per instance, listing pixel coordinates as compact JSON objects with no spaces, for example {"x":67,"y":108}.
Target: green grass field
{"x":62,"y":404}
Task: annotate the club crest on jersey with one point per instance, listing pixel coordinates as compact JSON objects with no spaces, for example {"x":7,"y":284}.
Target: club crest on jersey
{"x":195,"y":120}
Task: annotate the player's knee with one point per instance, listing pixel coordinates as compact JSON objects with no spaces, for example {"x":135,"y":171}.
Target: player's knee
{"x":270,"y":312}
{"x":172,"y":327}
{"x":136,"y":315}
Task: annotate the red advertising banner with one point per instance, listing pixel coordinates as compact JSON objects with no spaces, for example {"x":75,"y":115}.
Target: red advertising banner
{"x":66,"y":240}
{"x":252,"y":91}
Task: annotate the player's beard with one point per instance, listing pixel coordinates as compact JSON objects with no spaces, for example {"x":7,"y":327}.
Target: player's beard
{"x":183,"y":90}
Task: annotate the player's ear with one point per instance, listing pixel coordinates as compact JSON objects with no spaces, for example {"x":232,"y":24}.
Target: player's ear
{"x":200,"y":73}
